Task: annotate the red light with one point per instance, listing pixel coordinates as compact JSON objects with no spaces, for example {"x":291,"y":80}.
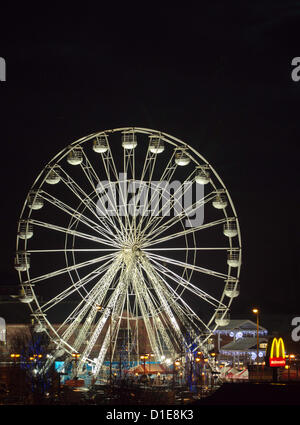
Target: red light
{"x":277,"y":361}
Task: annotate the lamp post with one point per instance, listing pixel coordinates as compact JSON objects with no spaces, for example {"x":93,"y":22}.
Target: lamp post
{"x":198,"y":360}
{"x":256,"y":311}
{"x":213,"y":355}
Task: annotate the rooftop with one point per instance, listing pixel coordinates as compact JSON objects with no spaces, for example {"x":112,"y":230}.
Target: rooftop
{"x":242,"y":344}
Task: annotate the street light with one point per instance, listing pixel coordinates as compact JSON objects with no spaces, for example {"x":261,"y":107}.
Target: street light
{"x":256,"y":311}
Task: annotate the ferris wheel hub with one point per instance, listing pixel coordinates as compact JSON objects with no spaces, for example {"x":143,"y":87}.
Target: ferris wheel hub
{"x":131,"y":252}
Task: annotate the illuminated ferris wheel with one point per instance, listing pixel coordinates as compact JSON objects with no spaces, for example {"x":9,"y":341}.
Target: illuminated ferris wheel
{"x":128,"y":232}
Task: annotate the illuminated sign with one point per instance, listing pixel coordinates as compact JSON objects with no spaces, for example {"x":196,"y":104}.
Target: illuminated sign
{"x":277,"y":353}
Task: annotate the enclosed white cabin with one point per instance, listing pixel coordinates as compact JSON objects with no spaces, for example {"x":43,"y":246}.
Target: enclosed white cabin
{"x":35,"y":201}
{"x":232,"y":288}
{"x":181,"y":157}
{"x":129,"y":140}
{"x":230,"y":228}
{"x":22,"y":261}
{"x":202,"y":175}
{"x":233,"y":258}
{"x":25,"y":230}
{"x":220,"y":200}
{"x":53,"y":176}
{"x":25,"y":295}
{"x":75,"y":156}
{"x":156,"y":145}
{"x":222,"y":317}
{"x":100,"y":144}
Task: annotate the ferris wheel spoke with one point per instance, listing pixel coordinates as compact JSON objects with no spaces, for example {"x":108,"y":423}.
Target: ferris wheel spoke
{"x":92,"y":305}
{"x":186,"y":284}
{"x":109,"y":166}
{"x":187,"y":265}
{"x":184,"y":232}
{"x":129,"y":176}
{"x":181,"y":308}
{"x":116,"y":299}
{"x":196,"y":248}
{"x":148,"y":167}
{"x":69,"y":231}
{"x":168,"y":202}
{"x":160,"y":323}
{"x":167,"y":309}
{"x":84,"y":198}
{"x":97,"y":185}
{"x":96,"y":227}
{"x":154,"y":201}
{"x":144,"y":300}
{"x":154,"y":232}
{"x":73,"y":250}
{"x":67,"y":269}
{"x":79,"y":284}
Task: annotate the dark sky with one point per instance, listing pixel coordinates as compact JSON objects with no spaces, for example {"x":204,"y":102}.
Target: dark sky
{"x":218,"y":77}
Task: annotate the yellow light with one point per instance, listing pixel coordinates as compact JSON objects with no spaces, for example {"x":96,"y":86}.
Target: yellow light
{"x":177,"y":363}
{"x":279,"y":344}
{"x":197,"y":359}
{"x":213,"y":354}
{"x":255,"y":310}
{"x":292,"y":356}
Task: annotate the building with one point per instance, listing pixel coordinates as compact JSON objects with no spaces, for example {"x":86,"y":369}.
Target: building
{"x":236,"y":343}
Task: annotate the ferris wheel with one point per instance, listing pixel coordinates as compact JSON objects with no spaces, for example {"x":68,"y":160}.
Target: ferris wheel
{"x":128,"y":235}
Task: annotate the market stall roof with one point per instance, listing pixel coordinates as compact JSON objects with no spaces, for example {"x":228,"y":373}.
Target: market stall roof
{"x":240,"y":324}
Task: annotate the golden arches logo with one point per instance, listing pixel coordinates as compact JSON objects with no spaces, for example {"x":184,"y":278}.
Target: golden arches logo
{"x":278,"y":345}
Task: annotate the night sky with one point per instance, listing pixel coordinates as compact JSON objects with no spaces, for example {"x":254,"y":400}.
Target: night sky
{"x":218,"y":77}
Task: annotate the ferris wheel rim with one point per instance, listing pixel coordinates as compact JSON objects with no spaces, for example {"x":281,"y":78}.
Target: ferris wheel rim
{"x":165,"y":136}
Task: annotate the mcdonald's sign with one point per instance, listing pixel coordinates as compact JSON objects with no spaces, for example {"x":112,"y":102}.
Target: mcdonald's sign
{"x":277,"y":353}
